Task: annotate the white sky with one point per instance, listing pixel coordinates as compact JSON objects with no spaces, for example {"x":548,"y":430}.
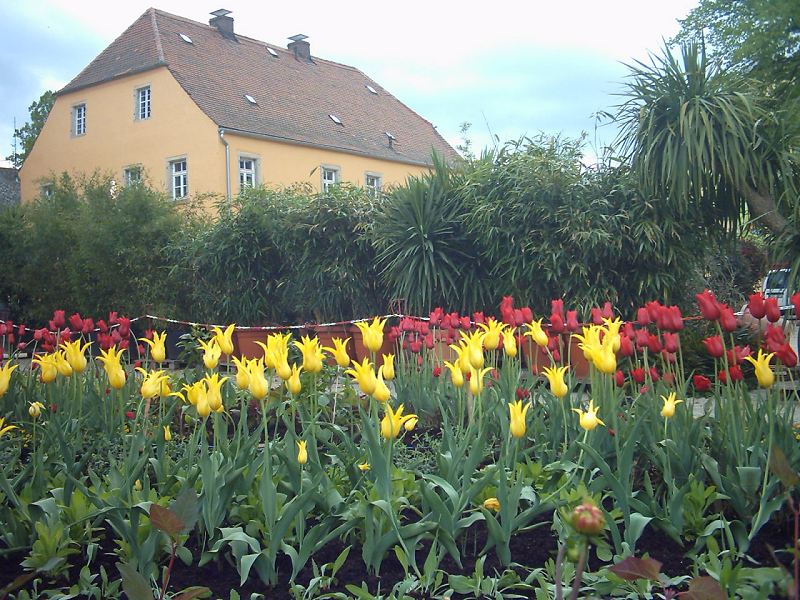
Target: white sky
{"x":510,"y":68}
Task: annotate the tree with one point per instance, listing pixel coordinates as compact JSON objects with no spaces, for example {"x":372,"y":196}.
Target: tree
{"x":28,"y":133}
{"x":709,"y":143}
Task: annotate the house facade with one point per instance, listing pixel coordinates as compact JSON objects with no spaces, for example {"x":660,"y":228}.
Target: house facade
{"x":194,"y":108}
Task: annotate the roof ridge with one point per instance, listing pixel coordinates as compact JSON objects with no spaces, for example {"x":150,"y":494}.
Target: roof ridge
{"x":156,"y":34}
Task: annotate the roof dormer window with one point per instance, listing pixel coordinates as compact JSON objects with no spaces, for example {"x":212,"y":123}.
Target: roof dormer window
{"x":335,"y":119}
{"x":250,"y":99}
{"x":372,"y":90}
{"x":186,"y":38}
{"x":272,"y":52}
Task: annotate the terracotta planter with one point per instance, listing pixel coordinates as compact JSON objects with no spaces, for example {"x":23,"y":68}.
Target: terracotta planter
{"x":360,"y":351}
{"x":244,"y":343}
{"x":538,"y":358}
{"x":325,"y":335}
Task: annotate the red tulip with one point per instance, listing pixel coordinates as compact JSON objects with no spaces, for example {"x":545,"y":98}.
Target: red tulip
{"x":101,"y":325}
{"x":642,"y":337}
{"x":772,"y":310}
{"x":557,"y":307}
{"x":478,"y":317}
{"x":527,"y":315}
{"x":112,"y":318}
{"x":465,"y":322}
{"x":653,"y":344}
{"x":709,"y":307}
{"x":727,"y":319}
{"x":619,"y":378}
{"x":796,"y":302}
{"x":668,"y":378}
{"x":429,"y":341}
{"x":643,"y":317}
{"x":88,"y":326}
{"x":557,"y":324}
{"x":58,"y":319}
{"x":76,"y":322}
{"x":701,"y":383}
{"x":736,"y":373}
{"x":124,"y":327}
{"x":608,"y":312}
{"x":654,"y":374}
{"x":653,"y":308}
{"x":437,"y":370}
{"x":787,"y":356}
{"x":625,"y":346}
{"x":597,"y":316}
{"x":638,"y":375}
{"x":714,"y":346}
{"x":671,"y":341}
{"x":572,"y":321}
{"x":756,"y":305}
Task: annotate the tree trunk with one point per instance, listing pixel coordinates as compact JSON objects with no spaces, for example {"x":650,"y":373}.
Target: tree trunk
{"x":764,"y":211}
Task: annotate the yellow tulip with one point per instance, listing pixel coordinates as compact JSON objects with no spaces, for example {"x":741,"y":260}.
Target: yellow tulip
{"x":158,"y":349}
{"x":167,"y":434}
{"x":339,"y":351}
{"x":387,"y":368}
{"x":456,"y":376}
{"x":669,"y":405}
{"x":492,"y":331}
{"x":365,"y":376}
{"x":393,"y":422}
{"x":293,"y":383}
{"x":381,"y":393}
{"x":312,"y":354}
{"x":589,"y":339}
{"x":509,"y":342}
{"x":410,"y":424}
{"x":517,"y":414}
{"x":151,"y":384}
{"x":62,"y":364}
{"x":372,"y":334}
{"x":225,"y":338}
{"x":4,"y":429}
{"x":203,"y":407}
{"x":476,"y":380}
{"x":5,"y":377}
{"x":474,"y":348}
{"x":75,"y":355}
{"x":492,"y":504}
{"x":612,"y":331}
{"x":363,"y":467}
{"x":588,"y":419}
{"x":192,"y":393}
{"x":48,"y":371}
{"x":302,"y":452}
{"x":242,"y":372}
{"x":555,"y":376}
{"x":137,"y":485}
{"x":765,"y":376}
{"x":214,"y":394}
{"x":536,"y":333}
{"x":257,"y":382}
{"x":35,"y":409}
{"x":600,"y":353}
{"x":277,"y":347}
{"x":462,"y":351}
{"x":112,"y":364}
{"x":211,"y":353}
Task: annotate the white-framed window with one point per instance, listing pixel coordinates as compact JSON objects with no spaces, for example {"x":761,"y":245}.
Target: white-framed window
{"x":143,"y":103}
{"x":132,"y":175}
{"x":373,"y":182}
{"x":248,"y":172}
{"x":79,"y":119}
{"x":330,"y":177}
{"x":179,"y":178}
{"x":47,"y":190}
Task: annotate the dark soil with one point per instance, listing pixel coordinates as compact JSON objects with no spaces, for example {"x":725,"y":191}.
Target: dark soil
{"x":530,"y":549}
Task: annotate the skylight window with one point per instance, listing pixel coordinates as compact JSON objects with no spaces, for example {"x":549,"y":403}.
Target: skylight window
{"x":272,"y":52}
{"x":250,"y":99}
{"x":390,"y":136}
{"x":335,"y":119}
{"x":186,"y":38}
{"x":372,"y":90}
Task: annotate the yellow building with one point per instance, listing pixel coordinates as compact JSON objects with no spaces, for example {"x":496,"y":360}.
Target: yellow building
{"x":195,"y":108}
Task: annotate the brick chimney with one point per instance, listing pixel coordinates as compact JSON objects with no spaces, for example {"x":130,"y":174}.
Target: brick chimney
{"x":223,"y":23}
{"x":300,"y":47}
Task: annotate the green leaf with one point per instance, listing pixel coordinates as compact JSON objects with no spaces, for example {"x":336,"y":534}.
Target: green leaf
{"x":633,"y":568}
{"x":134,"y":584}
{"x":186,"y":508}
{"x":779,"y":465}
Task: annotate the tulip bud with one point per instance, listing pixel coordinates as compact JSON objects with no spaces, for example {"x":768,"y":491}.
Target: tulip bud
{"x":492,"y":504}
{"x":588,"y":519}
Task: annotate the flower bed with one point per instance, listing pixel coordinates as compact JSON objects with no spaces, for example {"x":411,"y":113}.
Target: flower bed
{"x":463,"y":474}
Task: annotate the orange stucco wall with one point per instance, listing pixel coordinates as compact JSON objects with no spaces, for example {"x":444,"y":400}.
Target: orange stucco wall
{"x":114,"y":140}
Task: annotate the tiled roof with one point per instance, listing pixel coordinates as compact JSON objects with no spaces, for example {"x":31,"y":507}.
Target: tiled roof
{"x":294,"y":98}
{"x":9,"y":187}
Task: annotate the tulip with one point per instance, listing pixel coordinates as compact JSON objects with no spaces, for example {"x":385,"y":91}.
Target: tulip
{"x":509,"y":342}
{"x":765,"y":376}
{"x":167,"y":434}
{"x":473,"y":348}
{"x":612,"y":331}
{"x":363,"y":467}
{"x":756,"y":305}
{"x":492,"y":504}
{"x":364,"y":374}
{"x":203,"y":407}
{"x":701,"y":383}
{"x":312,"y":354}
{"x":302,"y":452}
{"x":224,"y":339}
{"x":456,"y":376}
{"x":462,"y":351}
{"x":709,"y":307}
{"x":476,"y":380}
{"x":714,"y":346}
{"x":293,"y":383}
{"x":492,"y":330}
{"x":387,"y":368}
{"x":588,"y":419}
{"x":727,"y":319}
{"x":4,"y":429}
{"x":381,"y":393}
{"x":35,"y":409}
{"x":256,"y":381}
{"x":214,"y":394}
{"x":393,"y":422}
{"x":193,"y":393}
{"x":242,"y":372}
{"x":158,"y":350}
{"x":372,"y":334}
{"x":670,"y":402}
{"x":619,"y":378}
{"x":211,"y":353}
{"x":339,"y":351}
{"x":62,"y":364}
{"x":410,"y":424}
{"x":517,"y":414}
{"x":536,"y":333}
{"x":151,"y":384}
{"x":75,"y":355}
{"x":555,"y":376}
{"x":47,"y":367}
{"x":5,"y":377}
{"x":773,"y":311}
